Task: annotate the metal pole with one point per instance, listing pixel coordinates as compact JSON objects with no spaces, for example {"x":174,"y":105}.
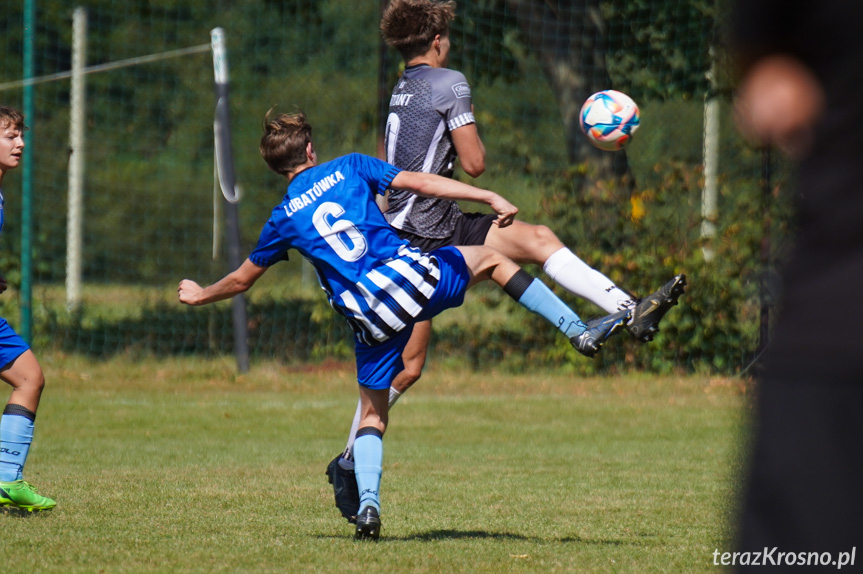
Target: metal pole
{"x":26,"y":294}
{"x":74,"y":219}
{"x":227,"y":180}
{"x":709,"y":204}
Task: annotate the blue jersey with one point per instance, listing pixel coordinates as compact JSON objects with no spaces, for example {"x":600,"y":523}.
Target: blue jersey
{"x":371,"y":276}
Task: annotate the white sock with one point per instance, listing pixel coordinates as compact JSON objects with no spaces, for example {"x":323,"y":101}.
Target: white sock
{"x":394,"y":396}
{"x":347,"y":460}
{"x":574,"y":275}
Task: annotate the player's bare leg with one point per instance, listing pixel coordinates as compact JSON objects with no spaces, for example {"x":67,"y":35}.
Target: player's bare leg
{"x":414,"y":358}
{"x":523,"y":242}
{"x":340,"y":470}
{"x":587,"y":338}
{"x":25,"y":376}
{"x":368,"y":453}
{"x":526,"y":243}
{"x":27,"y":380}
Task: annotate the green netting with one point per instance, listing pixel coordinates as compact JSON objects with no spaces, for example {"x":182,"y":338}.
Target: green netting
{"x":149,"y":182}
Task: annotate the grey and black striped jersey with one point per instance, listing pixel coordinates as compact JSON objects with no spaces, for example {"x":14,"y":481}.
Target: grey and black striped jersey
{"x":427,"y":104}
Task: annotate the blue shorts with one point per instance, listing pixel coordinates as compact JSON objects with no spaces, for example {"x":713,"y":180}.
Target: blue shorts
{"x":378,"y":364}
{"x":11,"y":345}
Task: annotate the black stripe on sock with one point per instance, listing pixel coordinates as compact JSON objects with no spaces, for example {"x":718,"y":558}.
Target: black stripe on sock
{"x":13,"y":409}
{"x":369,"y":430}
{"x":518,"y":284}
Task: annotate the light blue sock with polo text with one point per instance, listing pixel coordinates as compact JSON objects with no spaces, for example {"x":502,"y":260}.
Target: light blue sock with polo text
{"x":368,"y":464}
{"x":534,"y":295}
{"x":16,"y":435}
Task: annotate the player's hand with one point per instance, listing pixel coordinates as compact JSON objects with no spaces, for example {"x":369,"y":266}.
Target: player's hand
{"x":779,"y":101}
{"x":506,"y":211}
{"x":188,"y":292}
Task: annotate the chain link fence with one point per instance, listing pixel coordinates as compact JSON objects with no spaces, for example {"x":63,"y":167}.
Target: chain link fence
{"x":151,"y":213}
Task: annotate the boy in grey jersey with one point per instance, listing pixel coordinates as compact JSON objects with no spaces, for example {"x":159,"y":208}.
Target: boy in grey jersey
{"x":430,"y":123}
{"x":426,"y":106}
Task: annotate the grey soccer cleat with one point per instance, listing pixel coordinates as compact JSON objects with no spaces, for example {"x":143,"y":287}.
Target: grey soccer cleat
{"x":650,"y":310}
{"x":597,"y":331}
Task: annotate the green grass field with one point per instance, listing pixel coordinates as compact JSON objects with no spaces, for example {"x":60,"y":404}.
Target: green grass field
{"x":183,"y":466}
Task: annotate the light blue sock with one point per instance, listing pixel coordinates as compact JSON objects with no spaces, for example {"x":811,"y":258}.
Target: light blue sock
{"x":537,"y":297}
{"x":368,"y":463}
{"x":16,"y":435}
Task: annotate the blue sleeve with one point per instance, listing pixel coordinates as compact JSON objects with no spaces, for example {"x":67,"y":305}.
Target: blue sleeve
{"x":271,"y":247}
{"x":379,"y":174}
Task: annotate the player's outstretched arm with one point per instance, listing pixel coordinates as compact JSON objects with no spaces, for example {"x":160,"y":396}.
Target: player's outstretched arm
{"x":231,"y":284}
{"x":430,"y":185}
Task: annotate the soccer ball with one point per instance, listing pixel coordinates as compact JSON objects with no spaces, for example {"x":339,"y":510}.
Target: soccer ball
{"x":608,"y":119}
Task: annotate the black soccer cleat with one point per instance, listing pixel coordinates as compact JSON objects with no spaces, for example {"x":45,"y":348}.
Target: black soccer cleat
{"x":368,"y":524}
{"x":597,"y":331}
{"x":345,"y":490}
{"x":650,"y":310}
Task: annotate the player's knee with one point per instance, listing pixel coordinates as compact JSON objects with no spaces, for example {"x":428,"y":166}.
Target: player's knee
{"x":412,"y":373}
{"x":35,"y":382}
{"x":483,"y":261}
{"x":543,"y":236}
{"x":32,"y":383}
{"x":491,"y":257}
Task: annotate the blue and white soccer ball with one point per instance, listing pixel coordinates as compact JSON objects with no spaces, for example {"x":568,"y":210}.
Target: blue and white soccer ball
{"x":608,"y":119}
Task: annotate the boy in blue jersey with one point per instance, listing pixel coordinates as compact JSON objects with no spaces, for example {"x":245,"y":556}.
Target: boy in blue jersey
{"x":376,"y":280}
{"x":18,"y":365}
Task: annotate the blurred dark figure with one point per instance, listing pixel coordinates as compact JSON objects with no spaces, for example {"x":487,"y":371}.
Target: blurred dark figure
{"x":801,"y":90}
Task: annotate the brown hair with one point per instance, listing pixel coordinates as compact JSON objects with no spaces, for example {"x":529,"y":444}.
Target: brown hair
{"x":410,"y":26}
{"x":283,"y":145}
{"x":11,"y":117}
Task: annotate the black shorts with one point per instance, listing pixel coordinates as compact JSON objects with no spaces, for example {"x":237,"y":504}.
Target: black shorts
{"x":470,"y":229}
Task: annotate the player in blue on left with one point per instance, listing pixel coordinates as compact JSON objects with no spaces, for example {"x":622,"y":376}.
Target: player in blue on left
{"x":18,"y":365}
{"x":376,"y":280}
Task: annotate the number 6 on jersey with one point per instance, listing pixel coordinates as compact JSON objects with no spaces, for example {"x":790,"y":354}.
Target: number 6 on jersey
{"x":332,"y":232}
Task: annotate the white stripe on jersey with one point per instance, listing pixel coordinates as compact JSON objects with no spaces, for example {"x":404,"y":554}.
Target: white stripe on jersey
{"x":428,"y":163}
{"x":401,"y":296}
{"x":399,"y":221}
{"x":431,"y":152}
{"x":417,"y":280}
{"x":404,"y":300}
{"x":351,"y":304}
{"x":403,"y":268}
{"x":381,"y":309}
{"x":461,"y":120}
{"x":394,"y":293}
